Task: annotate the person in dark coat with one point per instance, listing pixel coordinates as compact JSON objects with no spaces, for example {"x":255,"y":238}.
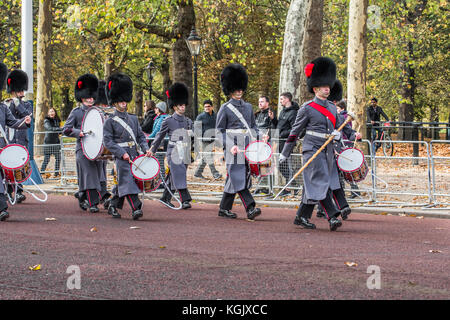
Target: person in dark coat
{"x":16,"y":85}
{"x":124,"y":138}
{"x":52,"y":145}
{"x":179,"y":128}
{"x":149,"y":117}
{"x":320,"y":120}
{"x":7,"y":119}
{"x":236,"y":128}
{"x":374,"y":113}
{"x":89,"y":172}
{"x":207,"y":122}
{"x":284,"y":125}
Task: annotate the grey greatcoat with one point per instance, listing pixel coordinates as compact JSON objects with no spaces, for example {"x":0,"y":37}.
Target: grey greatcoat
{"x":179,"y":129}
{"x":228,"y":126}
{"x":322,"y":173}
{"x":113,"y":135}
{"x":19,"y":109}
{"x":89,"y":172}
{"x":7,"y":119}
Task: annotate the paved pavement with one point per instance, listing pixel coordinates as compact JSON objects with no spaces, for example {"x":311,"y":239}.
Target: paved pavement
{"x":194,"y":254}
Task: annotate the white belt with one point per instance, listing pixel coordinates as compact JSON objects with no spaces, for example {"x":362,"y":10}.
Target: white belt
{"x":317,"y":134}
{"x":244,"y":131}
{"x":129,"y":144}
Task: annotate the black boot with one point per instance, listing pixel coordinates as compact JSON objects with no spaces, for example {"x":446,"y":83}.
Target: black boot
{"x":186,"y":205}
{"x":227,"y":214}
{"x":253,"y":213}
{"x":4,"y":215}
{"x":20,"y":197}
{"x":137,"y":214}
{"x":113,"y":212}
{"x":303,"y":222}
{"x":334,"y":223}
{"x":345,"y":212}
{"x":84,"y":205}
{"x":94,"y":209}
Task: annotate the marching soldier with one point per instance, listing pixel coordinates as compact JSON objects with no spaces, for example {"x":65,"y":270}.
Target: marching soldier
{"x":124,"y":138}
{"x":7,"y":119}
{"x":236,"y":127}
{"x":102,"y":103}
{"x":319,"y":118}
{"x":17,"y":84}
{"x":88,"y":172}
{"x":179,"y":129}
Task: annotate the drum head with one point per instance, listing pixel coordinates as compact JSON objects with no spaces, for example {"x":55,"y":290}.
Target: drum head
{"x":14,"y":156}
{"x":350,"y":159}
{"x":258,"y":152}
{"x":92,"y":143}
{"x":145,"y":168}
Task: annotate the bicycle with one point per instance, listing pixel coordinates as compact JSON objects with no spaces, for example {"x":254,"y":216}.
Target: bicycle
{"x":385,"y":141}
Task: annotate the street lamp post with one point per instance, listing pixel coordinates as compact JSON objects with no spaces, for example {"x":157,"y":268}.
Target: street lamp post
{"x":150,"y":69}
{"x":193,"y":42}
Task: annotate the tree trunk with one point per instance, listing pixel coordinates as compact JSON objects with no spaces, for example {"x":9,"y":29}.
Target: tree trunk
{"x":357,"y":51}
{"x":138,"y":101}
{"x":44,"y":79}
{"x":291,"y":63}
{"x":312,"y":43}
{"x":182,"y":60}
{"x":165,"y":71}
{"x":67,"y":103}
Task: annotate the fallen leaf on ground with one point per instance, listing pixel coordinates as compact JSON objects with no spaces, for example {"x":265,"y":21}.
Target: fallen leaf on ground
{"x":35,"y":268}
{"x":94,"y":229}
{"x":434,"y":251}
{"x":135,"y":227}
{"x":351,"y":264}
{"x":50,"y":219}
{"x":162,"y":247}
{"x":34,"y":252}
{"x":419,"y":217}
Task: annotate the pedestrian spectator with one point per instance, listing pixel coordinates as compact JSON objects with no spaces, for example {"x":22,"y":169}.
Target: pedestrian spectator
{"x":284,"y":125}
{"x":52,"y":145}
{"x":265,"y":120}
{"x":149,"y":116}
{"x":161,"y":114}
{"x":207,"y":121}
{"x":374,"y":112}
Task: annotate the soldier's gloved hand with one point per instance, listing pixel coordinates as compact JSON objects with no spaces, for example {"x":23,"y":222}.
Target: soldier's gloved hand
{"x":337,"y":135}
{"x":282,"y":158}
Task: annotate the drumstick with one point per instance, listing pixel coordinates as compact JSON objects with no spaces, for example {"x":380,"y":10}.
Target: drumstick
{"x":25,"y":119}
{"x":137,"y":167}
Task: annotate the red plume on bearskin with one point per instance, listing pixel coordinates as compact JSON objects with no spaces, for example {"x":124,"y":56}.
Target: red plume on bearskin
{"x":308,"y":69}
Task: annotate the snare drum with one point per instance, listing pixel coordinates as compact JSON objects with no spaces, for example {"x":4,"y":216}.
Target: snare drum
{"x":353,"y":165}
{"x":92,"y":142}
{"x":15,"y":162}
{"x":259,"y":155}
{"x":146,"y":173}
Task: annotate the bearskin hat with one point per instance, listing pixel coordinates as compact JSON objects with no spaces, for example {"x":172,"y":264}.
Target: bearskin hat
{"x":3,"y":74}
{"x":101,"y":93}
{"x":17,"y":81}
{"x":177,"y":94}
{"x":320,"y":72}
{"x":233,"y":77}
{"x":336,"y":92}
{"x":86,"y":87}
{"x":119,"y":88}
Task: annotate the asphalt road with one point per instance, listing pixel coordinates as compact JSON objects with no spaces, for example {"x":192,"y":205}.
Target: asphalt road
{"x":194,"y":254}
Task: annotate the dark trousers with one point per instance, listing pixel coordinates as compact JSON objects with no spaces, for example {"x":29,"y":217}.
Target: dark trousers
{"x":133,"y":201}
{"x":48,"y":151}
{"x":246,"y":197}
{"x":184,"y":195}
{"x":338,"y":196}
{"x":3,"y":202}
{"x":330,"y":210}
{"x":92,"y":196}
{"x":12,"y":188}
